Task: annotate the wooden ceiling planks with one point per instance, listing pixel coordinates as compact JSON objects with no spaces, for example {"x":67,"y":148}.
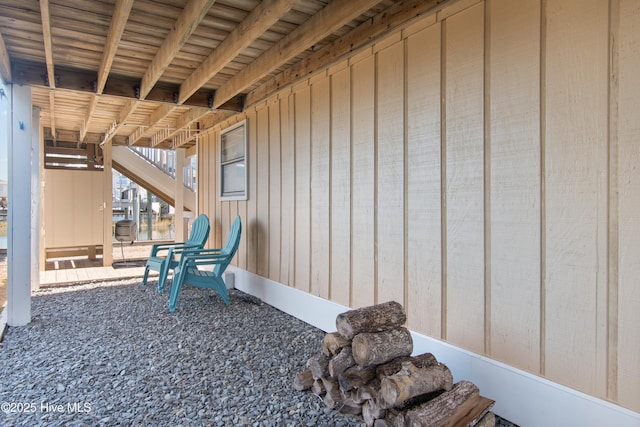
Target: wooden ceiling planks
{"x":137,"y":49}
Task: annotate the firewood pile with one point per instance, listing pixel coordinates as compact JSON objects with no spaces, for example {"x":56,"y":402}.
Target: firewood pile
{"x":366,"y":368}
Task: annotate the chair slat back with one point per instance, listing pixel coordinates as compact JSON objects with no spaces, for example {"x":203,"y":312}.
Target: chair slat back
{"x":199,"y":231}
{"x":231,"y":246}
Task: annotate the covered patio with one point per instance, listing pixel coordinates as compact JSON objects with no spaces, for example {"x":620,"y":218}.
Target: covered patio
{"x":473,"y":160}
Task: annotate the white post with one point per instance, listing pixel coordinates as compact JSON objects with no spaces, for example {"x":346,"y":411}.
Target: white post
{"x":107,"y":214}
{"x":179,"y":222}
{"x":19,"y":230}
{"x":36,"y":156}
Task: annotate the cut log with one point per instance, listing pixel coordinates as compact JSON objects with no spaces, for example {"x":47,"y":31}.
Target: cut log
{"x":371,"y":411}
{"x":303,"y":381}
{"x":370,"y":390}
{"x":330,"y":384}
{"x":318,"y":387}
{"x":349,"y":408}
{"x":356,"y":376}
{"x":488,"y":420}
{"x":333,"y":342}
{"x":319,"y":365}
{"x":376,"y":348}
{"x":339,"y":363}
{"x":392,"y":367}
{"x":449,"y":409}
{"x":411,"y":382}
{"x":375,"y":318}
{"x":382,"y":423}
{"x":333,"y":398}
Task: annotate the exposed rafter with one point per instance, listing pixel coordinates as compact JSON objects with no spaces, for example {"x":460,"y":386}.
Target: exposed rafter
{"x":82,"y":81}
{"x":5,"y":62}
{"x":48,"y":54}
{"x":147,"y":128}
{"x":388,"y":20}
{"x":186,"y":23}
{"x":88,"y":116}
{"x":186,"y":120}
{"x":335,"y":15}
{"x":118,"y":22}
{"x":125,"y":113}
{"x":95,"y":64}
{"x":253,"y":26}
{"x":48,"y":43}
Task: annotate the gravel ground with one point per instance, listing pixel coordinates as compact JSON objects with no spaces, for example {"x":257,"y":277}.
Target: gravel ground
{"x":110,"y":353}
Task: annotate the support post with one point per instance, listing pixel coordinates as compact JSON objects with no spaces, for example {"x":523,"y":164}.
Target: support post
{"x":36,"y":167}
{"x":107,"y":215}
{"x":149,"y":216}
{"x":19,"y":198}
{"x":179,"y":220}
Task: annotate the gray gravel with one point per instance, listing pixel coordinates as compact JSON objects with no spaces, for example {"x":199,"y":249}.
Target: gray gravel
{"x":110,"y":353}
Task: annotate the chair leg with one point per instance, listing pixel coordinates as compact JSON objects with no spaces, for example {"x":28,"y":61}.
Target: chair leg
{"x":174,"y":292}
{"x":146,"y":275}
{"x":164,"y":272}
{"x":221,"y":289}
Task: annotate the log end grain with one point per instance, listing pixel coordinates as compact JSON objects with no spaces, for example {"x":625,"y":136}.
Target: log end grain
{"x":303,"y":381}
{"x":375,"y":318}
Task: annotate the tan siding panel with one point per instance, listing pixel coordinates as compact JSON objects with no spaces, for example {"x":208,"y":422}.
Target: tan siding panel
{"x":251,"y":226}
{"x":424,"y":260}
{"x":320,"y":191}
{"x":288,"y":189}
{"x":303,"y":185}
{"x":629,"y":207}
{"x":340,"y":252}
{"x":363,"y":185}
{"x":515,"y":182}
{"x":576,"y":168}
{"x":465,"y":179}
{"x":390,"y":166}
{"x":233,"y":212}
{"x":262,"y":190}
{"x":74,"y":214}
{"x":274,"y":190}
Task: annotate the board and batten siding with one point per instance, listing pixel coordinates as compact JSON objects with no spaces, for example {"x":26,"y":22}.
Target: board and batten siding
{"x":482,"y":167}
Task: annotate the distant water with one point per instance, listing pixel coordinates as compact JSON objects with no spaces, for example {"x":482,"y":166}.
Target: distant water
{"x":3,"y":242}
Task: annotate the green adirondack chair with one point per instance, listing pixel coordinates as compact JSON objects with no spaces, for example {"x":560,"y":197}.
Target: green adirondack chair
{"x":187,"y":272}
{"x":165,"y":256}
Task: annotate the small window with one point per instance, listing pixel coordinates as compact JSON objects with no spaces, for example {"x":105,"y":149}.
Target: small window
{"x":233,"y":162}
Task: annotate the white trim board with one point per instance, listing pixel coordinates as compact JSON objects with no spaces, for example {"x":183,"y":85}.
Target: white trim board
{"x":521,"y":397}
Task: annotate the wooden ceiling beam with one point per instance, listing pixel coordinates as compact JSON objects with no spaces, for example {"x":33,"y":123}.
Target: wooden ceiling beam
{"x":326,"y":21}
{"x":116,"y":28}
{"x":212,"y":118}
{"x":88,"y":116}
{"x":185,"y":25}
{"x":48,"y":44}
{"x":386,"y":21}
{"x":5,"y":62}
{"x":147,"y":127}
{"x":30,"y":73}
{"x":264,"y":15}
{"x":52,"y":113}
{"x":71,"y":136}
{"x":184,"y":121}
{"x":45,"y":15}
{"x":125,"y":113}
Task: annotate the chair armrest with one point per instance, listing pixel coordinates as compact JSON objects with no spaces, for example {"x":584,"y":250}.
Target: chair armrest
{"x":195,"y":257}
{"x":179,"y":246}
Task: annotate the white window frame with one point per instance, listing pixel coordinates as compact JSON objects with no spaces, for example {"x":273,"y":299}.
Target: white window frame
{"x":235,"y":195}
